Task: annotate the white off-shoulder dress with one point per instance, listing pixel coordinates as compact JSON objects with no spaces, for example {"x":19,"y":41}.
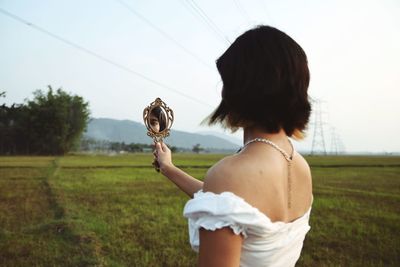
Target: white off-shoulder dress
{"x":266,"y":243}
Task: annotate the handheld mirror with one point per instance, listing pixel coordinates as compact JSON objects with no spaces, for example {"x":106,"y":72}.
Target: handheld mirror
{"x":158,"y":119}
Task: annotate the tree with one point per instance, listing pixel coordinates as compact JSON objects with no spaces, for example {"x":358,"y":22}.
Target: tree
{"x":51,"y":123}
{"x":196,"y":148}
{"x":57,"y":120}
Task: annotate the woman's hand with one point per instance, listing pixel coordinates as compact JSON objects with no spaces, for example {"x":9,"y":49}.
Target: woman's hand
{"x":184,"y":181}
{"x":163,"y":156}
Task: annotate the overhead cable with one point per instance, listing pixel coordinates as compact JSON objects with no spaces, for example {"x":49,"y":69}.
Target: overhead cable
{"x":269,"y":18}
{"x":163,"y":33}
{"x":100,"y":57}
{"x":204,"y":18}
{"x":242,"y":11}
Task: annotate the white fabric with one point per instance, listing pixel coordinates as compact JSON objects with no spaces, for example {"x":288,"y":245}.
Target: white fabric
{"x":265,"y":243}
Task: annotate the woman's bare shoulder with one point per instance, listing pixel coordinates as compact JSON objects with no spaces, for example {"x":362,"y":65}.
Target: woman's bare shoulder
{"x":302,"y":165}
{"x":303,"y":170}
{"x":227,"y":174}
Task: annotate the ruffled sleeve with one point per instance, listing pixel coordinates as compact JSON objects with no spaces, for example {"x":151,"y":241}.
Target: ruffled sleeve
{"x":214,"y":211}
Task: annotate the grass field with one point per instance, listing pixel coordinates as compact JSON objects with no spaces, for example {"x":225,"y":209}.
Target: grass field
{"x":117,"y":211}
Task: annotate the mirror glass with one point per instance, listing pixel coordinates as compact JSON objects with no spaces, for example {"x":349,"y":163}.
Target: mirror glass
{"x":157,"y":119}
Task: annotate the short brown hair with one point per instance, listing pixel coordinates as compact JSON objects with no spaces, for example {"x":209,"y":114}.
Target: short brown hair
{"x":265,"y":80}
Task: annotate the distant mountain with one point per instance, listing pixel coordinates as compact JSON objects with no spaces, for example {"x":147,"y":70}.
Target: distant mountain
{"x":133,"y":132}
{"x":229,"y":138}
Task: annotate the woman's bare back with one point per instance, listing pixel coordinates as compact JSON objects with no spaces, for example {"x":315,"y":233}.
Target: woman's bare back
{"x":259,"y":174}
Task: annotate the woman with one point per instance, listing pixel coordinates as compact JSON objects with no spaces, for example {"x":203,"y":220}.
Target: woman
{"x":253,"y":207}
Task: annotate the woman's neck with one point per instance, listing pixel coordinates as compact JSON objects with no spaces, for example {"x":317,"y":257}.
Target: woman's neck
{"x":251,"y":133}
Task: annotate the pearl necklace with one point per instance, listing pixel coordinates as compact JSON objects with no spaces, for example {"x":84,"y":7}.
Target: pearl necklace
{"x":288,"y":158}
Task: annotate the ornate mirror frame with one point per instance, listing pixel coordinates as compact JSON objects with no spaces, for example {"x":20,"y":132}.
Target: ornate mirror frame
{"x":158,"y":136}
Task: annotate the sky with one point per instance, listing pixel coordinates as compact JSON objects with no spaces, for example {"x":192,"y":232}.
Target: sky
{"x":121,"y":55}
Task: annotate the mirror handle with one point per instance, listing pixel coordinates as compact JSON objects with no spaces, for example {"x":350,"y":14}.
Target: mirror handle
{"x":156,"y":165}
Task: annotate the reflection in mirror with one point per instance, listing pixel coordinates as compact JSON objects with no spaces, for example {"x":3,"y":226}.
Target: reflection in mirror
{"x":158,"y":119}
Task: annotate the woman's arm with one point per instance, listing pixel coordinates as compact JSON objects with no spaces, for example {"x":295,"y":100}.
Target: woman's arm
{"x":184,"y":181}
{"x":219,"y":248}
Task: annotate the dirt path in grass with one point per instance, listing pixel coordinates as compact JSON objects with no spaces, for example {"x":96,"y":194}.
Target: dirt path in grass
{"x":88,"y":243}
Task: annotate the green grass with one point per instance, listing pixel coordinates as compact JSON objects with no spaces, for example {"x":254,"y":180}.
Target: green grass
{"x":84,"y":210}
{"x":355,"y":218}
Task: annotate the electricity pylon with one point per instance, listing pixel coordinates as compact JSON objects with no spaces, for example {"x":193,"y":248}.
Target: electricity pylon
{"x":318,"y":142}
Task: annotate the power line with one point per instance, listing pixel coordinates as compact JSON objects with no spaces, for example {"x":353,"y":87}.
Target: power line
{"x":204,"y":14}
{"x":163,"y":33}
{"x":203,"y":17}
{"x":196,"y":13}
{"x":98,"y":56}
{"x":242,"y":11}
{"x":266,"y":12}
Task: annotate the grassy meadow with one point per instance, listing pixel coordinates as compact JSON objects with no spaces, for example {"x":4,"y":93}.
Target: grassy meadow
{"x":84,"y":210}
